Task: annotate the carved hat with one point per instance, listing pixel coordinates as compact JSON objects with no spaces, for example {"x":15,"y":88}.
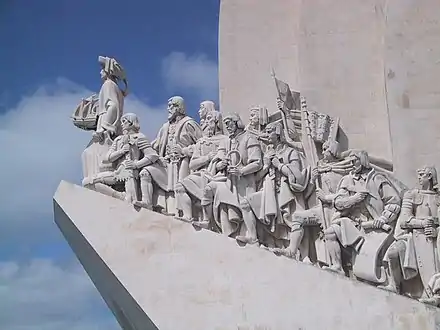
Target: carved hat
{"x":236,"y":118}
{"x":114,"y":69}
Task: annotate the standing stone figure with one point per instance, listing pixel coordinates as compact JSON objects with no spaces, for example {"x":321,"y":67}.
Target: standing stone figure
{"x":330,"y":170}
{"x":238,"y":160}
{"x":190,"y":189}
{"x":284,"y":183}
{"x":414,"y":251}
{"x":109,"y":113}
{"x":174,"y":142}
{"x":366,"y":207}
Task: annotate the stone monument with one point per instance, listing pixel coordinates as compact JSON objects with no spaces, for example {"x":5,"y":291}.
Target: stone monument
{"x":282,"y":221}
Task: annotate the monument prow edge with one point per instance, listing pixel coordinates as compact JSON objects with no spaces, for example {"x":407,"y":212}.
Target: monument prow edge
{"x":155,"y":272}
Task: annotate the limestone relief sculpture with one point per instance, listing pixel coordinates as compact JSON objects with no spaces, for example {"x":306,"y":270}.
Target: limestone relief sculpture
{"x":280,"y":182}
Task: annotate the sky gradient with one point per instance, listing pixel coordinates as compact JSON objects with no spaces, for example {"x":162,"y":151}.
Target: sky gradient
{"x":49,"y":62}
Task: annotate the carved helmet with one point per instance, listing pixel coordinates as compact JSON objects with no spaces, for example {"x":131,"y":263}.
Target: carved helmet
{"x":114,"y":69}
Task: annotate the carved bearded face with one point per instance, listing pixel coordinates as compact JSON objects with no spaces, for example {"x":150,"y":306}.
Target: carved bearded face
{"x":231,"y":126}
{"x":424,"y":177}
{"x":126,"y":124}
{"x":211,"y":124}
{"x":173,"y":109}
{"x":254,"y":117}
{"x":202,"y":111}
{"x":357,"y":165}
{"x":272,"y":135}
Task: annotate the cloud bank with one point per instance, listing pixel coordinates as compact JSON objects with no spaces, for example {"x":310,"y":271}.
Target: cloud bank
{"x":196,"y":74}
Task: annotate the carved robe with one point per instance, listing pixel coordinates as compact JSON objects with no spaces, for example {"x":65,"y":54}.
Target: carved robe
{"x":281,"y":195}
{"x":185,"y":133}
{"x":230,"y":190}
{"x":110,"y":117}
{"x":197,"y":180}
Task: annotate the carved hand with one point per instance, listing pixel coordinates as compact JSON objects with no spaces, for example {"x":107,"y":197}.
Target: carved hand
{"x":266,"y":161}
{"x":314,"y":174}
{"x":98,"y":137}
{"x":280,"y":104}
{"x":125,"y":148}
{"x":378,"y":223}
{"x":429,"y":222}
{"x":129,"y":165}
{"x":234,"y":171}
{"x":221,"y":165}
{"x":276,"y":162}
{"x":177,"y":149}
{"x":321,"y":195}
{"x":360,"y":196}
{"x":430,"y":232}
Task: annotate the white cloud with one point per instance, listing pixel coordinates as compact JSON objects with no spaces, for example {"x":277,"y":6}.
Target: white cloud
{"x":42,"y":295}
{"x":41,"y":146}
{"x":196,"y":74}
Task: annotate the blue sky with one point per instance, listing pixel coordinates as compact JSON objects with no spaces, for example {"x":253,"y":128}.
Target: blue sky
{"x":49,"y":62}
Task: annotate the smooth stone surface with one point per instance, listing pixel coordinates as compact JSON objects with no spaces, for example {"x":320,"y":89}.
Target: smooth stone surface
{"x":373,"y":63}
{"x":144,"y":263}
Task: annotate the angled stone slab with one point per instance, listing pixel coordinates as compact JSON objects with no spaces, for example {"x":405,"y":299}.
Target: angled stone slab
{"x":158,"y":273}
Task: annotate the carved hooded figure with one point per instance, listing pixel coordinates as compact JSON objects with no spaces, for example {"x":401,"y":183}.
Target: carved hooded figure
{"x":111,"y":96}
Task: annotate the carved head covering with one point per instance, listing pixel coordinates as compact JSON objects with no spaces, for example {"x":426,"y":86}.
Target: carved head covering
{"x":362,"y":155}
{"x":179,"y":102}
{"x":276,"y":127}
{"x":332,"y":146}
{"x":115,"y":70}
{"x":208,"y":105}
{"x":236,"y":118}
{"x":432,"y":171}
{"x":263,"y":114}
{"x":133,"y":120}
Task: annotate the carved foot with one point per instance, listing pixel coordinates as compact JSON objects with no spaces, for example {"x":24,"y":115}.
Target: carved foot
{"x":334,"y":269}
{"x":284,"y":252}
{"x":433,"y":301}
{"x":143,"y":205}
{"x":201,"y":224}
{"x":389,"y":288}
{"x":247,"y":240}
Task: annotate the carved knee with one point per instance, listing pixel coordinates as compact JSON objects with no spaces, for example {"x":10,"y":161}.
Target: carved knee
{"x":145,"y":176}
{"x":395,"y":249}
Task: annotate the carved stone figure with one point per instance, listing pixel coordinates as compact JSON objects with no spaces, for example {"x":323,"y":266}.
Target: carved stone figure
{"x":189,"y":190}
{"x":205,"y":107}
{"x":133,"y":157}
{"x":110,"y":107}
{"x":414,"y":251}
{"x":238,"y":160}
{"x":174,"y":144}
{"x":330,"y":170}
{"x":366,"y":206}
{"x":284,"y":181}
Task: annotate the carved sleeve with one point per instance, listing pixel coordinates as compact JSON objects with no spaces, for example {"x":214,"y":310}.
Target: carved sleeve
{"x":113,"y":154}
{"x":407,"y":217}
{"x":255,"y":157}
{"x":343,"y":200}
{"x":390,"y":199}
{"x":150,"y":156}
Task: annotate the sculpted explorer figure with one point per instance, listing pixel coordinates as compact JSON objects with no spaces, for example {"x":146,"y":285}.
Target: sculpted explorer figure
{"x":330,"y":170}
{"x":284,"y":181}
{"x":238,"y":160}
{"x":110,"y":107}
{"x":174,"y":143}
{"x":366,"y":206}
{"x":190,"y":189}
{"x":414,"y":251}
{"x":132,"y":156}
